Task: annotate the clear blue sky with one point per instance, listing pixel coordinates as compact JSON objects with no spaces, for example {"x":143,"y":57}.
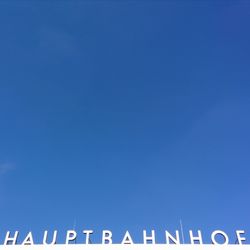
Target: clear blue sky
{"x":124,"y":115}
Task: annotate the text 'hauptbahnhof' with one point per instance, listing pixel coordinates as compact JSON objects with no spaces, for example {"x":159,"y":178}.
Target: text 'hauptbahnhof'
{"x":217,"y":237}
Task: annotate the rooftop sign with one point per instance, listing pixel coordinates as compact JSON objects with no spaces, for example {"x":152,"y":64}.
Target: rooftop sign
{"x":127,"y":247}
{"x":148,"y":239}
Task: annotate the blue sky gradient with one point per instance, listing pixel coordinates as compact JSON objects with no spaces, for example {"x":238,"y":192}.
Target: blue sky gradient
{"x":124,"y":115}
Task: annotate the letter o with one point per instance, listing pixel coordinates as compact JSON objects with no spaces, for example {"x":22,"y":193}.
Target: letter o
{"x":221,"y":233}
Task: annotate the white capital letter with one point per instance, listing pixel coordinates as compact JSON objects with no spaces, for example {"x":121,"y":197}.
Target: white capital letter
{"x":71,"y":235}
{"x":219,"y":232}
{"x":106,"y":237}
{"x":88,"y":233}
{"x":127,"y":239}
{"x":10,"y":240}
{"x":193,"y":238}
{"x":28,"y":240}
{"x":239,"y":238}
{"x":45,"y":238}
{"x":171,"y":238}
{"x":149,"y":238}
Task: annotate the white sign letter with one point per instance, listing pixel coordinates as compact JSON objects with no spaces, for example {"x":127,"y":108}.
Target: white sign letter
{"x":239,"y":238}
{"x":45,"y":238}
{"x":88,"y":233}
{"x":71,"y":235}
{"x":171,"y":238}
{"x":28,"y":240}
{"x":127,"y":239}
{"x":8,"y":240}
{"x":149,"y":238}
{"x":218,"y":232}
{"x":193,"y":238}
{"x":106,"y":237}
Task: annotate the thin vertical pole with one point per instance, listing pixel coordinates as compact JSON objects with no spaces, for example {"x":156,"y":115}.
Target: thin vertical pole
{"x":182,"y":234}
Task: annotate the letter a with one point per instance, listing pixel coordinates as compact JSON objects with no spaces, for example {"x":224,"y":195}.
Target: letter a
{"x":127,"y":239}
{"x":28,"y":240}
